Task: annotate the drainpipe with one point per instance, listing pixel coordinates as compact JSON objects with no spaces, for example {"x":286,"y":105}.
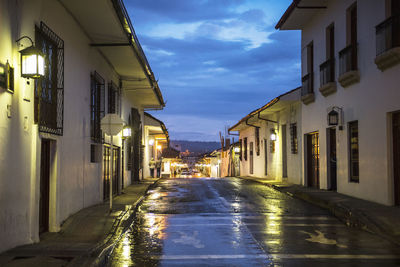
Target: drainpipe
{"x":266,"y":119}
{"x":248,"y":124}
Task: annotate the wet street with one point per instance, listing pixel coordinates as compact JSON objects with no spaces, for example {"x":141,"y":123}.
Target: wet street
{"x":234,"y":222}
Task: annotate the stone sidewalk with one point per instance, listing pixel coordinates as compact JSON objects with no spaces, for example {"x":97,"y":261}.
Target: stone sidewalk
{"x":369,"y":216}
{"x":85,"y":237}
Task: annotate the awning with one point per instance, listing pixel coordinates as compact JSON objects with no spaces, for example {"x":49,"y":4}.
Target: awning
{"x":108,"y":27}
{"x":156,"y":128}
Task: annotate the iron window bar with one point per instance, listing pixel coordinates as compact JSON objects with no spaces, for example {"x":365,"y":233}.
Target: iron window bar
{"x":307,"y":84}
{"x":348,"y":59}
{"x":327,"y":72}
{"x":49,"y":90}
{"x":388,"y":34}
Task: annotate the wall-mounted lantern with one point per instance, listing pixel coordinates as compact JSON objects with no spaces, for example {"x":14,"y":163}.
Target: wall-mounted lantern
{"x":32,"y":61}
{"x":237,"y":149}
{"x":151,"y":141}
{"x":126,"y":132}
{"x":335,"y":117}
{"x":159,"y":147}
{"x":273,"y":135}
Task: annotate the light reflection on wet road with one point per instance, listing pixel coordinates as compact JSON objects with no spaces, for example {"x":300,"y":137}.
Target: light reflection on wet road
{"x":233,"y":222}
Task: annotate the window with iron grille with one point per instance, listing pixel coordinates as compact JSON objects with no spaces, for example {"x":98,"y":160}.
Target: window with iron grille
{"x":114,"y":99}
{"x":97,"y":104}
{"x":293,"y":138}
{"x":257,"y":141}
{"x":49,"y":90}
{"x":353,"y":152}
{"x":245,"y":148}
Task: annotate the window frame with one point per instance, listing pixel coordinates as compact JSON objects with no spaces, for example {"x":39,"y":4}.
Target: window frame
{"x":97,"y":104}
{"x":353,"y":159}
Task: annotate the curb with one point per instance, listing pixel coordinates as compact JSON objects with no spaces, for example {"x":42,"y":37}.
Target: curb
{"x":351,"y":217}
{"x":99,"y":254}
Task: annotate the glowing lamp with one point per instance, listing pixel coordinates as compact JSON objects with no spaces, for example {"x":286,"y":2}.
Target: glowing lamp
{"x":237,"y":149}
{"x":273,"y":135}
{"x":151,"y":141}
{"x":126,"y":132}
{"x":159,"y":147}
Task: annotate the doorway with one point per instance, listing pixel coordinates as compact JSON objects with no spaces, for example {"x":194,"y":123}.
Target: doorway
{"x":284,"y":152}
{"x":332,"y":160}
{"x":266,"y":156}
{"x":313,"y":160}
{"x":396,"y":156}
{"x":44,"y":202}
{"x":251,"y":158}
{"x":107,"y":175}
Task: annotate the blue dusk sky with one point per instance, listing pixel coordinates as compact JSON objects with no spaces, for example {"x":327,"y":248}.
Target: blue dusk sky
{"x":216,"y":60}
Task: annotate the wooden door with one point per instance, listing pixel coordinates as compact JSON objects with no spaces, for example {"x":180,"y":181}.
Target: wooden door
{"x":266,"y":156}
{"x":396,"y":156}
{"x":332,"y":160}
{"x":115,"y":174}
{"x":106,"y":172}
{"x":313,"y":160}
{"x":251,"y":158}
{"x":44,"y":186}
{"x":284,"y":152}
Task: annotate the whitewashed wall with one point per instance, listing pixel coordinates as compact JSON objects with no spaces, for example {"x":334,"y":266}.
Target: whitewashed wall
{"x":291,"y":113}
{"x":75,"y":183}
{"x":369,"y":101}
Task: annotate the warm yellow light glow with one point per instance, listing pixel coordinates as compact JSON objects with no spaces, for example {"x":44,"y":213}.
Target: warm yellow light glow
{"x":159,"y":147}
{"x":151,"y":141}
{"x":237,"y":150}
{"x":29,"y":64}
{"x":32,"y":65}
{"x":273,"y":137}
{"x":126,"y":132}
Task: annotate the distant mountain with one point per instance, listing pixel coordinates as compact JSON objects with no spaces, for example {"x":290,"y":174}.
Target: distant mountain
{"x":197,"y":147}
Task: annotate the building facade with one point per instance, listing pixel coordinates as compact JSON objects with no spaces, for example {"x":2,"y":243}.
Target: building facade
{"x":350,"y":95}
{"x":269,"y":139}
{"x":54,"y":157}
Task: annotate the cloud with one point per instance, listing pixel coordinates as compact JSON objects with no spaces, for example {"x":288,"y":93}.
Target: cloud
{"x":215,"y":60}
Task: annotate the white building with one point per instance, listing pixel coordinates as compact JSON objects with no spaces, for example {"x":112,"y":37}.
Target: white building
{"x":156,"y":139}
{"x":269,"y":139}
{"x":350,"y":55}
{"x":54,"y":158}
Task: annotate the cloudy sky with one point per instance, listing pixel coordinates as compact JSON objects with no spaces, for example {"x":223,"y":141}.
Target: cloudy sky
{"x":216,"y":60}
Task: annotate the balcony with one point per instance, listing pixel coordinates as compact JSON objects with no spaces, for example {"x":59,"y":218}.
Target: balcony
{"x":388,"y":43}
{"x":348,"y":66}
{"x":307,"y":89}
{"x":327,"y":77}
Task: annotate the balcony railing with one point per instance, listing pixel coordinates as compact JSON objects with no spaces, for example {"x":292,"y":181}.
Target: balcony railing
{"x":327,"y":72}
{"x":388,"y":34}
{"x":348,"y":59}
{"x":307,"y":84}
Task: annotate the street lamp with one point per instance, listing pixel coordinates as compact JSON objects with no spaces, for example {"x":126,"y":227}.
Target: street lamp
{"x":32,"y":61}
